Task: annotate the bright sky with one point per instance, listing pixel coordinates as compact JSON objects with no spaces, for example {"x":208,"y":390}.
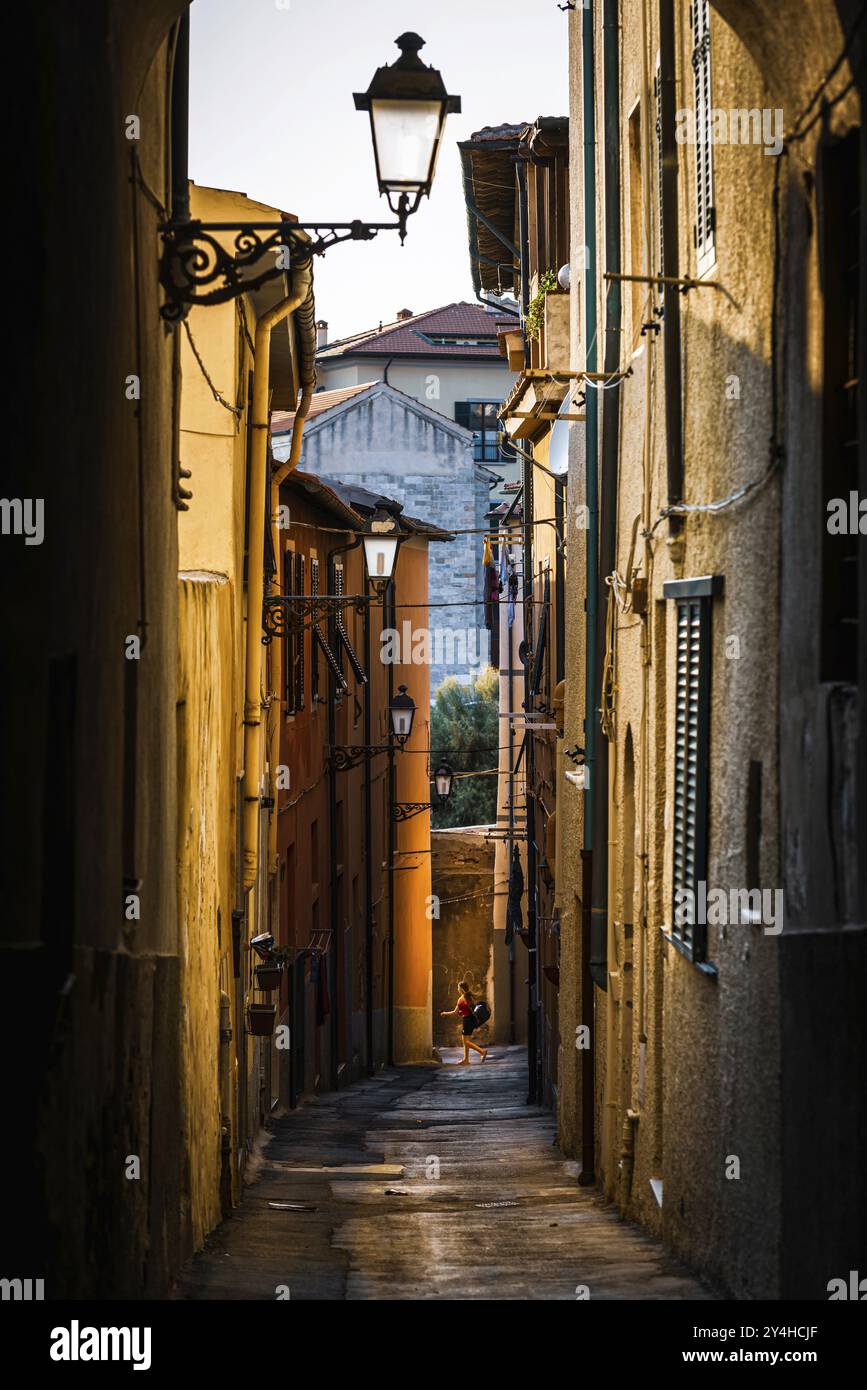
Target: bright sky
{"x":272,"y":116}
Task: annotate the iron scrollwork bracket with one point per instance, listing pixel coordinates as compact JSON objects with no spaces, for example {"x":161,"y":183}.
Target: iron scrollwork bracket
{"x":196,"y":268}
{"x":405,"y":810}
{"x":293,"y":613}
{"x":343,"y":757}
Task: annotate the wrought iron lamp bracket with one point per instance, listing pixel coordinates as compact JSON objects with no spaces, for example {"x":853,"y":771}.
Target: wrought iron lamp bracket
{"x":291,"y":614}
{"x":405,"y":810}
{"x":343,"y":757}
{"x":196,"y":268}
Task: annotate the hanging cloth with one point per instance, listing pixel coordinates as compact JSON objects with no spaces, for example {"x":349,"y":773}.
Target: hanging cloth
{"x":491,"y":595}
{"x":514,"y":916}
{"x":513,"y":591}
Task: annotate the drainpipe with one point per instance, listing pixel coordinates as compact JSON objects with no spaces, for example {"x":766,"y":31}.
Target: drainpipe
{"x":368,"y":855}
{"x":530,"y":632}
{"x":302,"y":279}
{"x":336,"y":986}
{"x":180,"y":127}
{"x":670,"y":232}
{"x":591,"y":434}
{"x":608,"y":480}
{"x":527,"y":480}
{"x":601,"y":924}
{"x":523,"y":221}
{"x":392,"y":846}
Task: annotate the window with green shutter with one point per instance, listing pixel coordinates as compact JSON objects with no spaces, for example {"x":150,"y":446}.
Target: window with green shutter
{"x":693,"y":599}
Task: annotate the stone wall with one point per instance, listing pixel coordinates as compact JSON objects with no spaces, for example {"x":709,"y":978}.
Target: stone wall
{"x":462,"y":873}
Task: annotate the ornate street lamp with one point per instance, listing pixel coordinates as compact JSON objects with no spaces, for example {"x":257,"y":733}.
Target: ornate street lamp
{"x":402,"y":711}
{"x":380,"y":548}
{"x":443,"y":779}
{"x":407,"y":103}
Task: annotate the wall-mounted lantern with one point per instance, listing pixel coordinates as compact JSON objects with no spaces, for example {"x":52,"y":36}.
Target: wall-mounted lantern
{"x":408,"y":104}
{"x":402,"y":711}
{"x":380,"y":548}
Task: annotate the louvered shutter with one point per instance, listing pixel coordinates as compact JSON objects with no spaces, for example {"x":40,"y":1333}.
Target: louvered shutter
{"x":704,"y":205}
{"x":462,"y":414}
{"x":289,"y":639}
{"x":541,"y":637}
{"x":298,"y":652}
{"x":342,"y":635}
{"x":657,"y":88}
{"x":691,"y":751}
{"x":321,"y":643}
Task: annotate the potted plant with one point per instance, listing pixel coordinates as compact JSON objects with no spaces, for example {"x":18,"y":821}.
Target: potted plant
{"x":268,"y":976}
{"x":261,"y":1019}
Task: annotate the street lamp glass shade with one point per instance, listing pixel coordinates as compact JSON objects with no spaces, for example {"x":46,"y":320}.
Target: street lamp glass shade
{"x":380,"y":552}
{"x":402,"y":709}
{"x":443,"y":779}
{"x":406,"y":140}
{"x":407,"y":103}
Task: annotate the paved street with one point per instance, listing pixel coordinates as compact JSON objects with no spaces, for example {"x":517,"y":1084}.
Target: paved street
{"x":505,"y":1218}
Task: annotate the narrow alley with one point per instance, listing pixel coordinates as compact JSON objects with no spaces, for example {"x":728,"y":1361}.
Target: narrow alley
{"x":505,"y":1219}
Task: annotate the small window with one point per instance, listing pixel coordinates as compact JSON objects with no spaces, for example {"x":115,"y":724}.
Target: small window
{"x":705,"y":212}
{"x":691,"y":755}
{"x":481,"y":418}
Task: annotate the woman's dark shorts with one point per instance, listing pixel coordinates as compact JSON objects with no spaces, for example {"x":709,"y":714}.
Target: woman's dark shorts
{"x":468,"y":1024}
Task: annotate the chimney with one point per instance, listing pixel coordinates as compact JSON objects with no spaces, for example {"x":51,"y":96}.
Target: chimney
{"x":403,"y":314}
{"x":321,"y":332}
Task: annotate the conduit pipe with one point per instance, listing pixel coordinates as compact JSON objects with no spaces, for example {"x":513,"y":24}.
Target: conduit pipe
{"x":302,"y":281}
{"x":591,"y":497}
{"x":670,"y":233}
{"x":604,"y":837}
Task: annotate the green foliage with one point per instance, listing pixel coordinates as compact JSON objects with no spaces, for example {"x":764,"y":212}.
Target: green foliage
{"x":536,"y":307}
{"x":465,"y":731}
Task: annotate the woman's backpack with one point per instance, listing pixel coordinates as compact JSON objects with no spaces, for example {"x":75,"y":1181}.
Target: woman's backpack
{"x":481,"y":1012}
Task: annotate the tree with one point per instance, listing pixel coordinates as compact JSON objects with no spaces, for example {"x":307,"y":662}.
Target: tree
{"x":465,"y":732}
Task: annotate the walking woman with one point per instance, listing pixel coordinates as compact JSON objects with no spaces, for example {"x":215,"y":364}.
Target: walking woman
{"x":464,"y":1010}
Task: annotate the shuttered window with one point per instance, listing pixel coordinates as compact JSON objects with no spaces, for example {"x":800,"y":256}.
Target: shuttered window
{"x":341,"y":639}
{"x":293,"y":642}
{"x":321,"y":643}
{"x":660,"y":244}
{"x":705,"y":212}
{"x":691,"y":753}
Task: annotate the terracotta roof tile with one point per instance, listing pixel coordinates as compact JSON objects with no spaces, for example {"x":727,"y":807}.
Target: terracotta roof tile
{"x":411,"y":336}
{"x":281,"y":420}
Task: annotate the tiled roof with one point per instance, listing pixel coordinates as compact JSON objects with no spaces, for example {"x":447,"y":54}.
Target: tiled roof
{"x":409,"y":337}
{"x":281,"y":420}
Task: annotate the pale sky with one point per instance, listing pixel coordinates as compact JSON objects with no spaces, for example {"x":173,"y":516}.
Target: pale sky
{"x":272,"y":116}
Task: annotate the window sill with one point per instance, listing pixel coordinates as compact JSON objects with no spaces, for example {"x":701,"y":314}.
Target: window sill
{"x":706,"y":967}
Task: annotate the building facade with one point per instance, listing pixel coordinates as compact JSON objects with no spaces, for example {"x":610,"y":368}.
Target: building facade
{"x":377,"y":437}
{"x":709,"y":782}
